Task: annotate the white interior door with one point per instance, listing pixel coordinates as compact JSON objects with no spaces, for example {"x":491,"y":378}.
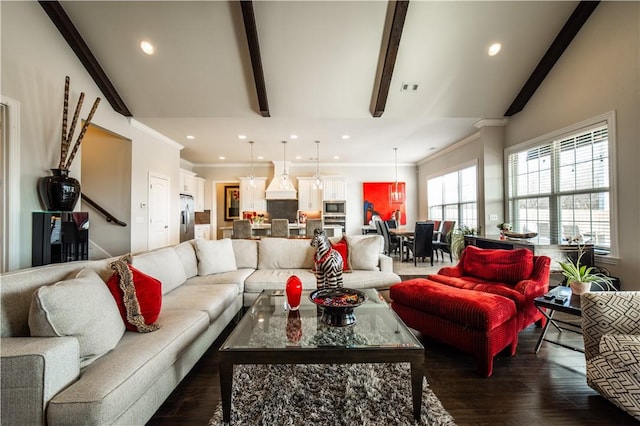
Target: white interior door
{"x":159,"y":190}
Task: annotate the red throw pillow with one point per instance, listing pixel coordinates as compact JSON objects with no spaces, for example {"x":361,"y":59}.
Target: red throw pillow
{"x":506,"y":266}
{"x":148,"y":292}
{"x":342,"y":248}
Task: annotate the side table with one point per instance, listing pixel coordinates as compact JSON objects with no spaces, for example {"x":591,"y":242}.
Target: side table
{"x":548,"y":307}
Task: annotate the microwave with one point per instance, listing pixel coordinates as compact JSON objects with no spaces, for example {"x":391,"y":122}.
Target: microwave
{"x":333,"y":208}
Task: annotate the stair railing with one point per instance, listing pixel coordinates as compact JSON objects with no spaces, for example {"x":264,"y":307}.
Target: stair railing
{"x":108,"y":216}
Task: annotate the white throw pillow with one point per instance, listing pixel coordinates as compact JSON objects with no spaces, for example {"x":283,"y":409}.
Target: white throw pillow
{"x":364,"y":251}
{"x":215,"y":256}
{"x":80,"y":307}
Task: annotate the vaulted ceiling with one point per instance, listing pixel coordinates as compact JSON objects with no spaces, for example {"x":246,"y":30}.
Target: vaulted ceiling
{"x":317,"y":69}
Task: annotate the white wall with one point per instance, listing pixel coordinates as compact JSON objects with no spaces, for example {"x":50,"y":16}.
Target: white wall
{"x":106,"y":179}
{"x":35,"y":61}
{"x":598,"y":73}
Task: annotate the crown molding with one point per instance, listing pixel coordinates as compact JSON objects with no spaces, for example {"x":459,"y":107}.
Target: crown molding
{"x":154,"y":133}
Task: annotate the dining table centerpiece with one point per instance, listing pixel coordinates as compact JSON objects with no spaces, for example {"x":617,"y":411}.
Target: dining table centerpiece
{"x":60,"y":192}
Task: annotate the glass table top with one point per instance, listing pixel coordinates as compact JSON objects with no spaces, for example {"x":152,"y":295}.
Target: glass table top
{"x":269,"y":325}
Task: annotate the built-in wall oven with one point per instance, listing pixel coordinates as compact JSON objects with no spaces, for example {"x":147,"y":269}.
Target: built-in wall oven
{"x":334,"y":213}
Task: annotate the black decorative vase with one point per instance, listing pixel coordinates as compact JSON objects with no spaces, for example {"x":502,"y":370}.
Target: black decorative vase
{"x":59,"y":192}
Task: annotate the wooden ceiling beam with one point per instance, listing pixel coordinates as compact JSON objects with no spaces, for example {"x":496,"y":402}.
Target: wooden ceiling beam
{"x":559,"y":45}
{"x":62,"y":21}
{"x":395,"y":33}
{"x":254,"y":51}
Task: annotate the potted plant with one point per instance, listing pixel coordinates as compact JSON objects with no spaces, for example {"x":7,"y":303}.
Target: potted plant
{"x":580,"y":277}
{"x":457,"y":239}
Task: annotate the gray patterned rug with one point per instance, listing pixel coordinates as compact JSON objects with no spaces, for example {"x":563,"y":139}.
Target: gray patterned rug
{"x":349,"y":394}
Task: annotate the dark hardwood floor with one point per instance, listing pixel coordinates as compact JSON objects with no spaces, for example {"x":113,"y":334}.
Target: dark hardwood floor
{"x":547,"y":388}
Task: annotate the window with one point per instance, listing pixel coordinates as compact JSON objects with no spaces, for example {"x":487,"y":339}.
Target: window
{"x":560,"y":187}
{"x":453,"y":196}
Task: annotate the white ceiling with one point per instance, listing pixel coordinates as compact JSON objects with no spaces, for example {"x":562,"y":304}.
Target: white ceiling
{"x":320,"y":60}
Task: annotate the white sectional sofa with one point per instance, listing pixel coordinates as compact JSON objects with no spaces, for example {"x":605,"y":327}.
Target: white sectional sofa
{"x":48,"y":380}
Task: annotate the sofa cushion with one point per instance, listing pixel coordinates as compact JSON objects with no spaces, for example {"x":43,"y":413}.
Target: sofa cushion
{"x":215,"y":256}
{"x":110,"y":385}
{"x":148,"y":296}
{"x":212,"y":299}
{"x":233,"y":277}
{"x":364,"y":251}
{"x":163,"y":264}
{"x":474,"y":309}
{"x":370,"y":279}
{"x":284,"y":253}
{"x":508,"y":266}
{"x":187,"y":254}
{"x":275,"y":279}
{"x":80,"y":307}
{"x":477,"y":284}
{"x":246,"y":253}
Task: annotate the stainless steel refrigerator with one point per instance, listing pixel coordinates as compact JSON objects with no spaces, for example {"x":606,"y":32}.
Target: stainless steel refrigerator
{"x":187,"y":217}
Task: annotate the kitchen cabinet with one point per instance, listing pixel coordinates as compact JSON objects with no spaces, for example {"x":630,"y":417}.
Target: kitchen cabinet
{"x":334,"y":188}
{"x":253,"y":198}
{"x":309,"y":198}
{"x":199,"y":194}
{"x":202,"y":231}
{"x":187,"y":182}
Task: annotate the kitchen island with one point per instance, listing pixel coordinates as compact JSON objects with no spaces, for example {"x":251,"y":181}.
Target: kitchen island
{"x":295,"y":229}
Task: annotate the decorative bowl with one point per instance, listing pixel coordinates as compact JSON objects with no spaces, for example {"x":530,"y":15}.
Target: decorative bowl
{"x":337,"y":305}
{"x":520,"y":235}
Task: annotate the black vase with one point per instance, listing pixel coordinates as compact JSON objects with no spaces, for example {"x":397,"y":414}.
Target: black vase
{"x":59,"y":192}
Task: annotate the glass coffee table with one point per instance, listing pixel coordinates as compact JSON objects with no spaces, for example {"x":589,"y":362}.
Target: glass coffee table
{"x":270,"y":334}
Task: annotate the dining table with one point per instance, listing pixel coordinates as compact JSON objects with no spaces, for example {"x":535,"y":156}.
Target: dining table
{"x":404,"y":233}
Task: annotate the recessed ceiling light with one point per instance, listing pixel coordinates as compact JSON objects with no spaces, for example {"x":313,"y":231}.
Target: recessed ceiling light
{"x":260,"y":157}
{"x":345,"y":136}
{"x":190,"y":137}
{"x":298,"y":157}
{"x":242,"y":136}
{"x":222,"y":157}
{"x":294,"y":136}
{"x":336,"y":157}
{"x":494,"y":49}
{"x":147,"y":47}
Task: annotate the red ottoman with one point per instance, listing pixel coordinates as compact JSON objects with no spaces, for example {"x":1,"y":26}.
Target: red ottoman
{"x":482,"y":324}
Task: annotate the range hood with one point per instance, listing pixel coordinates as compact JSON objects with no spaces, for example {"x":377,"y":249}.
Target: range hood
{"x":277,"y":189}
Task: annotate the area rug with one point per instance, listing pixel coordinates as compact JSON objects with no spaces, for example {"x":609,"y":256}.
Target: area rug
{"x":346,"y":394}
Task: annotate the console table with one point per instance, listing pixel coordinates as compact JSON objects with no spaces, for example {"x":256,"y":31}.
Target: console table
{"x":557,"y":252}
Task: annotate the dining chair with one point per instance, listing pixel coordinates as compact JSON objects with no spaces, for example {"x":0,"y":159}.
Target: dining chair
{"x":443,"y":244}
{"x":391,"y":242}
{"x":241,"y":229}
{"x":423,"y":242}
{"x":311,"y":226}
{"x":280,"y":228}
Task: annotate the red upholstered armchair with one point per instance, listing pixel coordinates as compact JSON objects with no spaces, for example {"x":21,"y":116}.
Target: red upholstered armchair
{"x":515,"y":274}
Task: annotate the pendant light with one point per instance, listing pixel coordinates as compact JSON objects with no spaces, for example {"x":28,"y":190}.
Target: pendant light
{"x":317,"y":183}
{"x":252,"y":182}
{"x":396,"y":194}
{"x":284,"y":178}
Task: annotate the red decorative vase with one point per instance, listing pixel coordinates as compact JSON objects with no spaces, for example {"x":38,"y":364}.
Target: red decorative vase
{"x":294,"y":326}
{"x":294,"y":292}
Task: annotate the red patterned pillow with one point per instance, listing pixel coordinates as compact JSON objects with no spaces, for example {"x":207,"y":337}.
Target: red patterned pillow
{"x":148,"y":294}
{"x":342,"y":248}
{"x":508,"y":266}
